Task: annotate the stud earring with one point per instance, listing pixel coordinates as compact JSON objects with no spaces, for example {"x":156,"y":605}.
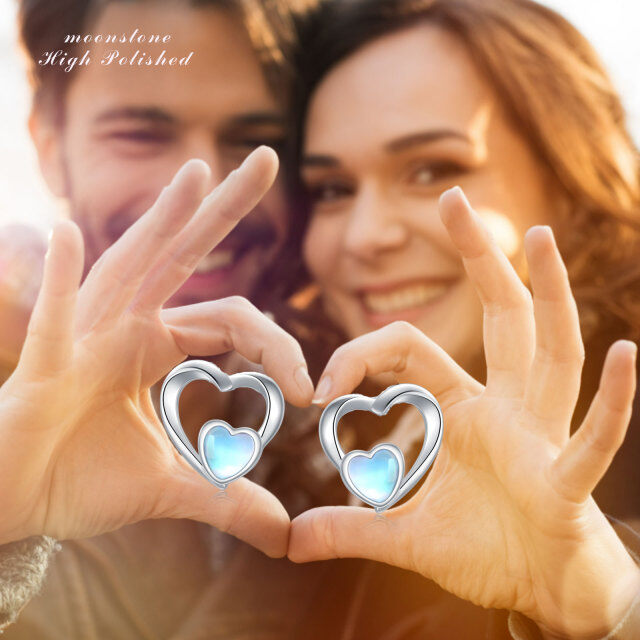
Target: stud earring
{"x":377,"y":476}
{"x":224,"y":454}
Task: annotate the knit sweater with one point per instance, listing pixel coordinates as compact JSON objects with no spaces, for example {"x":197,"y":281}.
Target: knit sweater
{"x":23,"y":566}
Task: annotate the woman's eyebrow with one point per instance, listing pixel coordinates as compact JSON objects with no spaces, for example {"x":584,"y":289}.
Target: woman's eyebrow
{"x":423,"y":137}
{"x":394,"y":146}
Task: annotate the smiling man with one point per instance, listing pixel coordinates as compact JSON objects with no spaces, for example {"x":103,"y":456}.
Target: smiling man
{"x":109,"y":138}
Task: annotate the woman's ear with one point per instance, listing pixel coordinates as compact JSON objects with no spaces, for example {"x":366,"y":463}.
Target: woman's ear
{"x":47,"y":137}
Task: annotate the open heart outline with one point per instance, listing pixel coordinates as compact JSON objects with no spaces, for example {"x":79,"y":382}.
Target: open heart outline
{"x":411,"y":394}
{"x":179,"y":377}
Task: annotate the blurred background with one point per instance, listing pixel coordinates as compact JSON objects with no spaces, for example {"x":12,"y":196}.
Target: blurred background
{"x":611,"y":27}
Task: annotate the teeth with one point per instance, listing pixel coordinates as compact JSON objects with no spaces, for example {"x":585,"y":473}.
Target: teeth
{"x":403,"y":299}
{"x":216,"y":260}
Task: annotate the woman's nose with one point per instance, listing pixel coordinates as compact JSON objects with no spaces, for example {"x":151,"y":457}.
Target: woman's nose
{"x":374,"y":226}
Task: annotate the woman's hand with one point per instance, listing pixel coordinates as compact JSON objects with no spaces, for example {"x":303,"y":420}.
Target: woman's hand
{"x":81,"y":449}
{"x":505,"y":518}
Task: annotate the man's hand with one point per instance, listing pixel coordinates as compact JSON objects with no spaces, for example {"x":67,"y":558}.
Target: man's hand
{"x":82,"y":451}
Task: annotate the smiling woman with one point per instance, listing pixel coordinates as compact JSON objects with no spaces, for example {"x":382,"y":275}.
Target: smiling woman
{"x":374,"y":166}
{"x":401,"y":101}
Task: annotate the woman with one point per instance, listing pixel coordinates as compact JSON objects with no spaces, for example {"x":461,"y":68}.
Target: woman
{"x":401,"y":101}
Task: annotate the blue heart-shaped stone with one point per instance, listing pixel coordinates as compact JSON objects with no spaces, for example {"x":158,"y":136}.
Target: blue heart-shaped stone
{"x":374,"y":475}
{"x":227,"y":453}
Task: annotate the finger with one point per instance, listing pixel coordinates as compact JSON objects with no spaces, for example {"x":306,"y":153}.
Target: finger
{"x":589,"y":452}
{"x":347,"y":532}
{"x":554,"y":381}
{"x":234,"y":324}
{"x":22,"y":251}
{"x":218,"y":214}
{"x":403,"y":350}
{"x":120,"y":271}
{"x":49,"y":341}
{"x":508,"y":312}
{"x":245,"y":510}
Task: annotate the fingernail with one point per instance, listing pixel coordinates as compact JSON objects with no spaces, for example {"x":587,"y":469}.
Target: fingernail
{"x":178,"y":175}
{"x":545,"y":228}
{"x":448,"y":213}
{"x":460,"y":193}
{"x":301,"y":376}
{"x":632,"y":346}
{"x":323,"y":390}
{"x":244,"y":162}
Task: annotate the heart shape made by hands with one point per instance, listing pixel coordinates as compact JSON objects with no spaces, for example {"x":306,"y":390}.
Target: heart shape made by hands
{"x":376,"y":477}
{"x":224,"y":453}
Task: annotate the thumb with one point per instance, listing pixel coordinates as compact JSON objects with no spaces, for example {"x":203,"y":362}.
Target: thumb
{"x":245,"y":510}
{"x":347,"y":532}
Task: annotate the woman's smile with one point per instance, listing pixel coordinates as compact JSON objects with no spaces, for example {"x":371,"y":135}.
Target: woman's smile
{"x":383,"y":235}
{"x":403,"y":300}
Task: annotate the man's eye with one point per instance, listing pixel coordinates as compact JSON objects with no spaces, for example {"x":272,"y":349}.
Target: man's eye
{"x":141,"y":136}
{"x":329,"y":192}
{"x":427,"y":173}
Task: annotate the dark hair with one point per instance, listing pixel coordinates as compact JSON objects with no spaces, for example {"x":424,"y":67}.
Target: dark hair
{"x":43,"y":25}
{"x":551,"y":80}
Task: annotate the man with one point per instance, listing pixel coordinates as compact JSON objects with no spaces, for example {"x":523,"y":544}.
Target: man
{"x":109,"y":137}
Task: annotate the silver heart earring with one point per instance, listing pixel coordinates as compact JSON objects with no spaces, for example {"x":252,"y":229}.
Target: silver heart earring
{"x":377,"y":476}
{"x":224,"y":453}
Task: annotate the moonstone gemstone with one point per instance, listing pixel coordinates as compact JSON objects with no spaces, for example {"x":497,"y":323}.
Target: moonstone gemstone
{"x":376,"y":476}
{"x":227,"y":453}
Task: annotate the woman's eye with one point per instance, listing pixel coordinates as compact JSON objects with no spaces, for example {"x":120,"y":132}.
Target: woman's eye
{"x":426,"y":174}
{"x":328,"y":192}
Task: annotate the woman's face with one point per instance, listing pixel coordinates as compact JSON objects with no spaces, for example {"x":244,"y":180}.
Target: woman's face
{"x":389,"y":129}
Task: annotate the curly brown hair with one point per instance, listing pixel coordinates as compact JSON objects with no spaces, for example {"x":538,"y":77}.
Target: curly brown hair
{"x":553,"y":83}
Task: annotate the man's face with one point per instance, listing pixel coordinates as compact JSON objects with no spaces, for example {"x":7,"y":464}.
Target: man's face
{"x":129,"y":128}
